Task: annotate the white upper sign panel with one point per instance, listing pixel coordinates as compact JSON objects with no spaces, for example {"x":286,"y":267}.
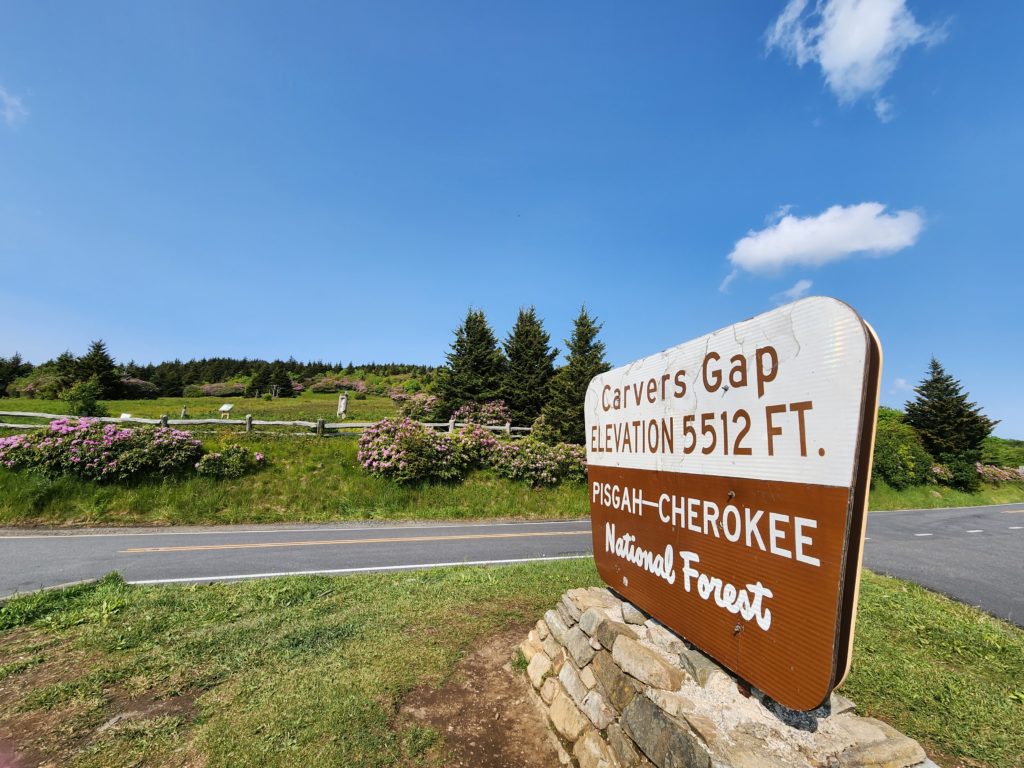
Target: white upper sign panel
{"x":776,"y":397}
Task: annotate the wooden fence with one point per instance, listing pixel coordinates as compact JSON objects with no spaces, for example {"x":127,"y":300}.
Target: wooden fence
{"x":320,"y":427}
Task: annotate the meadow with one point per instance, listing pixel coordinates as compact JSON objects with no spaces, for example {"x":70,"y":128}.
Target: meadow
{"x":313,"y":670}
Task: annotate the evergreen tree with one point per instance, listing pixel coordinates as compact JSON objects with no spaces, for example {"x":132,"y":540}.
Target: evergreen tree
{"x":531,"y":364}
{"x":949,"y":425}
{"x":475,"y":365}
{"x":260,"y":384}
{"x":281,"y":381}
{"x":97,"y":363}
{"x":563,"y":412}
{"x":12,"y":368}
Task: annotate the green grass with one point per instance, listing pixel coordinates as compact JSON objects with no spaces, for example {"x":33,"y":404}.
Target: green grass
{"x":311,"y":670}
{"x":938,"y":496}
{"x":308,"y":406}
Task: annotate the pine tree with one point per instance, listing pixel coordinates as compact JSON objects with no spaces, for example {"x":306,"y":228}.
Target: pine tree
{"x":949,"y":425}
{"x":563,"y":412}
{"x":475,"y":365}
{"x":98,"y":363}
{"x":530,"y":367}
{"x":281,"y":381}
{"x":260,"y":383}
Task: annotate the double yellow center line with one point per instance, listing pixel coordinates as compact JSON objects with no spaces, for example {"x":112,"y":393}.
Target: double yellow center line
{"x":339,"y":542}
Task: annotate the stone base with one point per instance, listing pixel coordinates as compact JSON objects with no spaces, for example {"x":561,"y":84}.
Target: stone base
{"x":623,"y":691}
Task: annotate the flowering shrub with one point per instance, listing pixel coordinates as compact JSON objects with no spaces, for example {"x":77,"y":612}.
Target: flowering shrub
{"x":992,"y":474}
{"x":492,"y":413}
{"x":93,"y":451}
{"x":138,"y":389}
{"x":223,"y":389}
{"x":234,"y":461}
{"x":408,"y":452}
{"x":336,"y":384}
{"x":419,"y":406}
{"x":538,"y":463}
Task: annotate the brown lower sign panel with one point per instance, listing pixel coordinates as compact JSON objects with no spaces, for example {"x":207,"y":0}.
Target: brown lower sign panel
{"x":752,"y":571}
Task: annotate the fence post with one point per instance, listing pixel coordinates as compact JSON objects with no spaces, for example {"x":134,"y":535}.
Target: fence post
{"x":508,"y":428}
{"x":319,"y":427}
{"x":163,"y":420}
{"x":248,"y":422}
{"x":451,"y":424}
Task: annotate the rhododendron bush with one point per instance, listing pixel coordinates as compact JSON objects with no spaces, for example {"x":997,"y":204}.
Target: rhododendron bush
{"x":408,"y":452}
{"x":90,"y":450}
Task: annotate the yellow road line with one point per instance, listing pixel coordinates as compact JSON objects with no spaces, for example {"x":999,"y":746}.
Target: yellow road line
{"x":335,"y":542}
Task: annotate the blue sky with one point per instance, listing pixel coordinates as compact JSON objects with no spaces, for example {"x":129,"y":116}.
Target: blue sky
{"x":342,"y":180}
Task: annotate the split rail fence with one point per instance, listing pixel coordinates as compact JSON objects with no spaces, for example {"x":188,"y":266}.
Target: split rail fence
{"x":319,"y":428}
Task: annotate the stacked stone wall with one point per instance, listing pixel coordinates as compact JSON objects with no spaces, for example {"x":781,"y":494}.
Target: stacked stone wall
{"x":622,"y":691}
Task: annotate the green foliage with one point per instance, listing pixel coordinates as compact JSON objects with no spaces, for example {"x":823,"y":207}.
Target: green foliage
{"x":947,"y":422}
{"x":11,"y":368}
{"x":475,"y":369}
{"x":234,"y":461}
{"x":1002,"y":452}
{"x":900,"y":459}
{"x":280,"y":381}
{"x":261,"y":381}
{"x":958,"y":471}
{"x":563,"y":412}
{"x":83,"y":398}
{"x":99,"y":365}
{"x":530,"y":367}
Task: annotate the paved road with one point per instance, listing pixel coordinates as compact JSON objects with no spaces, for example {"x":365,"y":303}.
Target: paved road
{"x":974,"y":554}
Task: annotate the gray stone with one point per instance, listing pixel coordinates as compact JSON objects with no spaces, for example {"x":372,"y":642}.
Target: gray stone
{"x":666,"y":741}
{"x":587,"y":676}
{"x":596,"y":708}
{"x":548,"y":690}
{"x":594,"y":644}
{"x":564,"y":615}
{"x":570,"y":680}
{"x":633,"y":615}
{"x":617,"y":686}
{"x":538,"y":668}
{"x":578,"y":646}
{"x":550,"y":646}
{"x":556,"y":626}
{"x":645,"y":665}
{"x":664,"y":638}
{"x":591,"y":751}
{"x":894,"y":751}
{"x":700,"y":667}
{"x":608,"y":630}
{"x":542,"y":629}
{"x":622,"y":747}
{"x":558,"y":660}
{"x":840,"y":705}
{"x":570,"y":608}
{"x":528,"y":649}
{"x":591,"y":618}
{"x":593,"y":597}
{"x":566,"y":717}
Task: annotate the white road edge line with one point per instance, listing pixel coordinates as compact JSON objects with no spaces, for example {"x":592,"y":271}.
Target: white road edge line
{"x":922,"y":534}
{"x":227,"y":532}
{"x":1016,"y":527}
{"x":367,"y":569}
{"x":976,"y":530}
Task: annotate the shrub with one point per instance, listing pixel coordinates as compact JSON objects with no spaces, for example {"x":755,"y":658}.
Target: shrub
{"x":993,"y":474}
{"x":138,"y":389}
{"x":538,"y":463}
{"x":234,"y":461}
{"x":222,"y":389}
{"x":407,"y":452}
{"x":900,"y":459}
{"x":92,"y":451}
{"x":336,"y":384}
{"x":491,"y":413}
{"x":960,"y":473}
{"x":83,"y":398}
{"x":419,"y":406}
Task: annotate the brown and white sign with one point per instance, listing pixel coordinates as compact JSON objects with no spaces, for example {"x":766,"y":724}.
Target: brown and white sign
{"x":728,"y":485}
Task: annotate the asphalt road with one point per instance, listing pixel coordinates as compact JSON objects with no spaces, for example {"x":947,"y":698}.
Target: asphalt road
{"x":973,"y":554}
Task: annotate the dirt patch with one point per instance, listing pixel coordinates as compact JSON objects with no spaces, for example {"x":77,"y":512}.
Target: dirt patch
{"x":485,"y":712}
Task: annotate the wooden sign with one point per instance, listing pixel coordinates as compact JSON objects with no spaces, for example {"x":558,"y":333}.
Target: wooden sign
{"x":728,"y":483}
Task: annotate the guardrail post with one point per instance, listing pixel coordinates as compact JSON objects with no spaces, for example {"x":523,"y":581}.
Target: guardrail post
{"x":508,"y":428}
{"x":451,"y":425}
{"x":319,"y":427}
{"x":248,"y":422}
{"x":163,"y":420}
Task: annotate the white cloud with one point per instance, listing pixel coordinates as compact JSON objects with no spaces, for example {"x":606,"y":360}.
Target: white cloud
{"x":798,"y":291}
{"x":857,"y":43}
{"x":900,"y":385}
{"x":11,"y":108}
{"x":836,"y":234}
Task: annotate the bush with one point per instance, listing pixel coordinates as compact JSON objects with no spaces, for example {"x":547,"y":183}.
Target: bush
{"x":408,"y":452}
{"x":234,"y":461}
{"x":996,"y":475}
{"x":222,"y":389}
{"x":961,"y":472}
{"x":538,"y":463}
{"x":83,"y":398}
{"x":337,"y":384}
{"x":419,"y":406}
{"x":138,"y":389}
{"x":491,"y":413}
{"x":900,"y":458}
{"x":89,"y":450}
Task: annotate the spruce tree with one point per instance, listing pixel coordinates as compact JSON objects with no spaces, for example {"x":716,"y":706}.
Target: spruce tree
{"x":531,"y":364}
{"x":260,"y":383}
{"x":475,"y":368}
{"x":563,"y":412}
{"x":281,"y":381}
{"x":949,"y":425}
{"x":98,"y":363}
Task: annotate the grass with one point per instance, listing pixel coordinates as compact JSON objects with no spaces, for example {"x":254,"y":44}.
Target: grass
{"x":939,"y":496}
{"x":311,"y":670}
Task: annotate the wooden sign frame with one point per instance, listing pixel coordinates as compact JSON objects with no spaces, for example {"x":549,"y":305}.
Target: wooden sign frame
{"x":741,"y":528}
